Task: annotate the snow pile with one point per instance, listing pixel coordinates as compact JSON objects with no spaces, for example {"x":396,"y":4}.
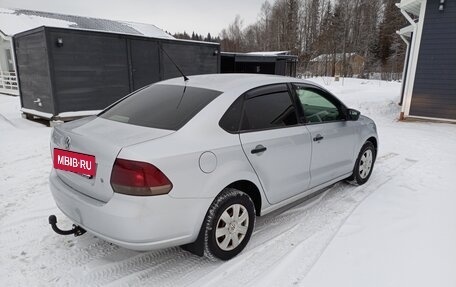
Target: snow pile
{"x":398,"y":229}
{"x":375,"y":98}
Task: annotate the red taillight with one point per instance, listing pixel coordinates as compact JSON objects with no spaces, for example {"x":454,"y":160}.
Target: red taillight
{"x":138,"y":178}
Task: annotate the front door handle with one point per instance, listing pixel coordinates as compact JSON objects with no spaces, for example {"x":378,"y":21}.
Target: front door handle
{"x":318,"y":138}
{"x":258,"y":149}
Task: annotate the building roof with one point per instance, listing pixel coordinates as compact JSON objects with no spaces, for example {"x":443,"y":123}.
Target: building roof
{"x":270,"y":53}
{"x":411,"y":6}
{"x":329,"y":57}
{"x":14,"y":21}
{"x":259,"y":56}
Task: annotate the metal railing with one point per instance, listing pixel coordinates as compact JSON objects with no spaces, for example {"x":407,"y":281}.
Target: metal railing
{"x":8,"y":83}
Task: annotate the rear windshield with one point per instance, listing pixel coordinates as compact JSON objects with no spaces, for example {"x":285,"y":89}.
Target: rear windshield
{"x":161,"y":106}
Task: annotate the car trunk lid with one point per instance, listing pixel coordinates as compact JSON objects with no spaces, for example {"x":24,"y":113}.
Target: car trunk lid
{"x":103,"y":139}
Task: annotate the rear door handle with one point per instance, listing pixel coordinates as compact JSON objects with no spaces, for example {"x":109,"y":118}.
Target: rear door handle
{"x":318,"y":138}
{"x":258,"y":149}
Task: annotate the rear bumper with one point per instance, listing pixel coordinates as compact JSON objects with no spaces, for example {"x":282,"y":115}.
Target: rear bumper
{"x":138,"y":223}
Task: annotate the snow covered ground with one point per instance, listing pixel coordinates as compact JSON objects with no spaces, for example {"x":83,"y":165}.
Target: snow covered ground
{"x":399,"y":229}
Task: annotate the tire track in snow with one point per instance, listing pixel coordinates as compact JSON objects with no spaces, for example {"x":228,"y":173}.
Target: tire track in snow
{"x":168,"y":267}
{"x":276,"y":235}
{"x":295,"y":235}
{"x":133,"y":265}
{"x":176,"y":267}
{"x":319,"y":225}
{"x":357,"y":196}
{"x":182,"y":266}
{"x":82,"y":255}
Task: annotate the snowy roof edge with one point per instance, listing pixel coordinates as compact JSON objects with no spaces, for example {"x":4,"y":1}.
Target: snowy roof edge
{"x":31,"y":19}
{"x":115,"y":33}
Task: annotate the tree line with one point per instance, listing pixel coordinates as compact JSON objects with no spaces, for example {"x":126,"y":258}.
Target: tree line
{"x":334,"y":28}
{"x":197,"y":37}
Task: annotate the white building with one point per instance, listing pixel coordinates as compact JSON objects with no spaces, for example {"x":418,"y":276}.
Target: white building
{"x":8,"y":77}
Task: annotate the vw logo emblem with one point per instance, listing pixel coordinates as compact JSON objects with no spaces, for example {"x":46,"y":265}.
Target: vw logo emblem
{"x":67,"y":143}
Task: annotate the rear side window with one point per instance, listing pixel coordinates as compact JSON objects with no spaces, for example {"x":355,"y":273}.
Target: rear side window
{"x":269,"y":110}
{"x":161,"y":106}
{"x":232,"y":118}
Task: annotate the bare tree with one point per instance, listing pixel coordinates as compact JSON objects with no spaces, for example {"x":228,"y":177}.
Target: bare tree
{"x":336,"y":28}
{"x":232,"y":37}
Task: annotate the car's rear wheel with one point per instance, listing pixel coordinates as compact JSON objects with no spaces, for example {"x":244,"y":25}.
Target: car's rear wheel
{"x":364,"y":164}
{"x":228,"y":224}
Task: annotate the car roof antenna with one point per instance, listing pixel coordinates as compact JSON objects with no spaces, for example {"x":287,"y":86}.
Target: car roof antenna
{"x":183,"y":75}
{"x":177,"y":67}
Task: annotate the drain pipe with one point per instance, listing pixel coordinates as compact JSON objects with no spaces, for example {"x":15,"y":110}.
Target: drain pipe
{"x":410,"y":47}
{"x":405,"y":69}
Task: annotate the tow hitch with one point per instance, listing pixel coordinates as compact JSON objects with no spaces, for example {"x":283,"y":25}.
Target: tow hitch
{"x":76,"y":230}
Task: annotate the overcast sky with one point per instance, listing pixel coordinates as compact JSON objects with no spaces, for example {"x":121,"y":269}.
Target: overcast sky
{"x":171,"y":15}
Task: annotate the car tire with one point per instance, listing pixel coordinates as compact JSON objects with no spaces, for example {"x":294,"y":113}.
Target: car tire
{"x":364,"y":164}
{"x":228,"y":224}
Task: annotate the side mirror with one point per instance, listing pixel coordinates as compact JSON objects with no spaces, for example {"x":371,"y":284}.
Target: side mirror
{"x":353,"y":115}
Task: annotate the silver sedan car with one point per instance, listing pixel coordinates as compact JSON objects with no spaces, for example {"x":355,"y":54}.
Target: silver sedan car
{"x":193,"y":162}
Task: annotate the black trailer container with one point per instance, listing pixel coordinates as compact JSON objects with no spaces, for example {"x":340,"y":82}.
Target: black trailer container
{"x":267,"y":63}
{"x":64,"y":73}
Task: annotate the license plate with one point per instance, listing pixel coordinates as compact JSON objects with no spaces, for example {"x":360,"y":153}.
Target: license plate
{"x":80,"y":163}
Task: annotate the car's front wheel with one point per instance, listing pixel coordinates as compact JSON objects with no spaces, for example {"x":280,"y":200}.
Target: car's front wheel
{"x":364,"y":164}
{"x":228,"y":224}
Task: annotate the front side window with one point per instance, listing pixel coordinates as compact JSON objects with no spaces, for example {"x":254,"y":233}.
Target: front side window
{"x":317,"y":106}
{"x":268,"y":111}
{"x":161,"y":106}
